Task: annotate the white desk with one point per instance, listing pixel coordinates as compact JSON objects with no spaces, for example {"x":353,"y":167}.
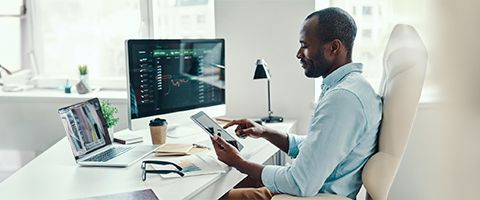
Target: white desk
{"x":55,"y":175}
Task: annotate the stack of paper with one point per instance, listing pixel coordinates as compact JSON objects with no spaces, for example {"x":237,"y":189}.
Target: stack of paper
{"x":173,"y":149}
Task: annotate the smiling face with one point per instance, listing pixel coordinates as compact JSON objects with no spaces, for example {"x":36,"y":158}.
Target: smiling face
{"x":313,"y":52}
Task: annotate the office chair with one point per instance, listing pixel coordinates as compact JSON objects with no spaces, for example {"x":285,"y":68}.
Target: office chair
{"x":404,"y":66}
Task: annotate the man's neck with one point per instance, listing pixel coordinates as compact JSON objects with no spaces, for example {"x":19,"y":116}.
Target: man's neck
{"x":337,"y":65}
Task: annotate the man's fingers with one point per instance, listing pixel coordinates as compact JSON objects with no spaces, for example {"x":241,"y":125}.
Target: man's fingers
{"x":241,"y":134}
{"x":244,"y":132}
{"x":239,"y":131}
{"x":224,"y":144}
{"x":240,"y":122}
{"x":238,"y":128}
{"x":213,"y":141}
{"x":220,"y":141}
{"x":216,"y":145}
{"x":249,"y":130}
{"x":233,"y":122}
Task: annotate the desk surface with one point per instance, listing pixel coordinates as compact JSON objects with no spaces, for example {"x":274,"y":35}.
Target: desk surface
{"x":55,"y":175}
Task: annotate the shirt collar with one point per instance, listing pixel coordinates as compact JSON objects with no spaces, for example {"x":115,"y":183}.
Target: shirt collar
{"x":334,"y":77}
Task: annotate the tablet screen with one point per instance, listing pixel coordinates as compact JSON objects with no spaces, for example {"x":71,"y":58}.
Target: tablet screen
{"x":211,"y":127}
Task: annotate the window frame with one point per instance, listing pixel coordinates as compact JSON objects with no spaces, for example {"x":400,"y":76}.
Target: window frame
{"x":33,"y":44}
{"x":22,"y":17}
{"x":44,"y":81}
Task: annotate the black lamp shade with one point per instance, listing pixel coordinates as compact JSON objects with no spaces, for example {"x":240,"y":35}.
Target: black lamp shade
{"x":261,"y":71}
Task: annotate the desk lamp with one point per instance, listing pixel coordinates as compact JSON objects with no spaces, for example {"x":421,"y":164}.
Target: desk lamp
{"x":262,"y":72}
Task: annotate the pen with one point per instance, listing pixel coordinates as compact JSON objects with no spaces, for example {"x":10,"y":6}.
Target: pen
{"x":201,"y":146}
{"x":222,"y":119}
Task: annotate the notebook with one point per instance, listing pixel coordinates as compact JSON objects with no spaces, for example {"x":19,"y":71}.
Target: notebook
{"x":89,"y":139}
{"x":128,"y":139}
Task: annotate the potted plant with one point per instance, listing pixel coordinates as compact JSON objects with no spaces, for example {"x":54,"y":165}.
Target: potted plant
{"x":109,"y":112}
{"x":83,"y":70}
{"x":83,"y":85}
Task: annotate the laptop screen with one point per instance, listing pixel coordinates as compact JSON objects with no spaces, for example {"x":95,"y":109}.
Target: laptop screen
{"x":85,"y":127}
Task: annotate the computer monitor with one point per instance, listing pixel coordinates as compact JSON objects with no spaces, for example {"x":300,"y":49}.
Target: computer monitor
{"x":168,"y":76}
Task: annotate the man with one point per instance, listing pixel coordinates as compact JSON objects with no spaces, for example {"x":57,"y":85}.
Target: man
{"x":343,"y":131}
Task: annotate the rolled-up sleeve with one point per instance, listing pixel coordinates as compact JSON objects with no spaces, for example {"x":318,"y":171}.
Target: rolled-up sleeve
{"x":335,"y":131}
{"x":294,"y":142}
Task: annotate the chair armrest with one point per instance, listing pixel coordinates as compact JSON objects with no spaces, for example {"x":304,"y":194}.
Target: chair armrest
{"x":320,"y":197}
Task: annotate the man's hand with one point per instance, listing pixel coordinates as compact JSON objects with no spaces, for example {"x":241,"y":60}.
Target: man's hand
{"x":246,"y":127}
{"x":226,"y":152}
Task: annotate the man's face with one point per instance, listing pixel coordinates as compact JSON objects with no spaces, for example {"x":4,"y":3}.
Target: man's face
{"x":312,"y":51}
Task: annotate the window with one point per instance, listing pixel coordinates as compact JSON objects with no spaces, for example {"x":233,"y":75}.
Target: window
{"x":375,"y":20}
{"x":183,"y":19}
{"x":76,"y":32}
{"x":367,"y":33}
{"x":11,"y":13}
{"x":367,"y":10}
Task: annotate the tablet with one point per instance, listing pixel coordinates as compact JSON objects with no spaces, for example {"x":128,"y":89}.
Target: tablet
{"x":211,"y":127}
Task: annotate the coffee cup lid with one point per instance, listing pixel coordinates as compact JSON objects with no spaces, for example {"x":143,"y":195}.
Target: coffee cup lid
{"x":158,"y":122}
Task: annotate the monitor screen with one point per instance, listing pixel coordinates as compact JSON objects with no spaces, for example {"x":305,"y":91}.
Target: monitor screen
{"x":166,"y":76}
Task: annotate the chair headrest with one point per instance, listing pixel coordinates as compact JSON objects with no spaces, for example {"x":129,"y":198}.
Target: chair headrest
{"x":404,"y":51}
{"x":404,"y":48}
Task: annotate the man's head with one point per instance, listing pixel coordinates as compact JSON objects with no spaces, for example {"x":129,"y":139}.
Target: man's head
{"x":326,"y":41}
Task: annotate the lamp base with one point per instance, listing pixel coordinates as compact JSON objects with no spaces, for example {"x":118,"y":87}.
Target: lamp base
{"x":272,"y":119}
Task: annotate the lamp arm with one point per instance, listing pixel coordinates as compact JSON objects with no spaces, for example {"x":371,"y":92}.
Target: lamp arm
{"x":269,"y":108}
{"x":6,"y":70}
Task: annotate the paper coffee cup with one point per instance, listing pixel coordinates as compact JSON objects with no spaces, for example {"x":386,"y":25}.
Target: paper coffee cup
{"x":158,"y":130}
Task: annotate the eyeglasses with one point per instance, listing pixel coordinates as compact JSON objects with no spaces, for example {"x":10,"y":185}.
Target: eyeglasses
{"x":162,"y":171}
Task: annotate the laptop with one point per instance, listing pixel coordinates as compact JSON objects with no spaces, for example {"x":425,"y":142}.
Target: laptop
{"x":89,"y":139}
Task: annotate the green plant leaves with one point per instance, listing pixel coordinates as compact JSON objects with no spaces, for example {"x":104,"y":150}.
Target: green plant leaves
{"x":109,"y":113}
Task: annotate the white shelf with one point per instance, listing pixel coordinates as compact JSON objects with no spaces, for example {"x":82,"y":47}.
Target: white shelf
{"x":37,"y":94}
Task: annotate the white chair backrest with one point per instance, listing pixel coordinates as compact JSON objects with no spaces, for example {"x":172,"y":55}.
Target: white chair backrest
{"x":404,"y":61}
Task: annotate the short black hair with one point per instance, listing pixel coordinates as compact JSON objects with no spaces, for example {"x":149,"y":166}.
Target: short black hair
{"x":335,"y":23}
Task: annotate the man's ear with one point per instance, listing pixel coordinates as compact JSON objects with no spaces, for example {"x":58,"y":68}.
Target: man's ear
{"x":335,"y":46}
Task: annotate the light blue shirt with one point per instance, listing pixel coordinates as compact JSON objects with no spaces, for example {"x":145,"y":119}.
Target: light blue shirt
{"x":341,"y":138}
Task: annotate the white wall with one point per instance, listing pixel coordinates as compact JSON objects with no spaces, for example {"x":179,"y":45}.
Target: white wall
{"x":265,"y":29}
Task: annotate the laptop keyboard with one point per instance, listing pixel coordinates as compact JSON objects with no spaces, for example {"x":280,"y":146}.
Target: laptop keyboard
{"x":109,"y":154}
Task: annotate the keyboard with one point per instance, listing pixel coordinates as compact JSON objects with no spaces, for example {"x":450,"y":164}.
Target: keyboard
{"x":109,"y":154}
